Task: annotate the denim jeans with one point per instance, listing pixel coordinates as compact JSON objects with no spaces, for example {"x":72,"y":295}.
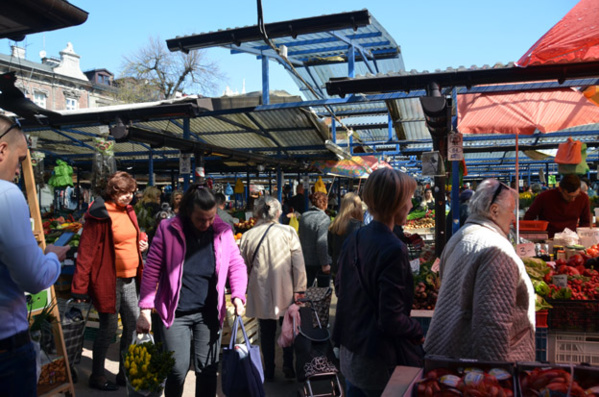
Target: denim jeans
{"x":18,"y":372}
{"x":204,"y":330}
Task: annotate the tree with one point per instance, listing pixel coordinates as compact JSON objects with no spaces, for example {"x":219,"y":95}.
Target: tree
{"x":154,"y":73}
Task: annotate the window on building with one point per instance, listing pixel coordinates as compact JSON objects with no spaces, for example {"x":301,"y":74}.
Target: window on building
{"x":39,"y":98}
{"x":72,"y":104}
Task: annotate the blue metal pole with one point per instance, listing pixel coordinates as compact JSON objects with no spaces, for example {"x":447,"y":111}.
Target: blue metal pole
{"x":390,"y":126}
{"x":265,"y":81}
{"x":186,"y":133}
{"x":151,"y":169}
{"x":280,"y":185}
{"x":351,"y":61}
{"x":334,"y":129}
{"x":455,"y":176}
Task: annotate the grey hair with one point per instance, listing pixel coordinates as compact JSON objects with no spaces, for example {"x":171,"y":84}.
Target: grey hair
{"x":481,"y":200}
{"x":267,"y":209}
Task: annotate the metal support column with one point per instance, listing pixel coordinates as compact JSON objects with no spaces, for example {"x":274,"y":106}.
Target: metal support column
{"x":186,"y":134}
{"x":151,"y":169}
{"x":265,"y":81}
{"x":351,"y":61}
{"x":280,"y":185}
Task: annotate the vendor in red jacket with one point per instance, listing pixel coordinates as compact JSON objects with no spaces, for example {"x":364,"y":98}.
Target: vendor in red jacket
{"x":564,"y":207}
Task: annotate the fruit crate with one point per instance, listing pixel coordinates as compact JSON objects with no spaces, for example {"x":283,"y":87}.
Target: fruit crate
{"x":574,"y":315}
{"x":575,"y":348}
{"x":541,"y":344}
{"x":460,"y":366}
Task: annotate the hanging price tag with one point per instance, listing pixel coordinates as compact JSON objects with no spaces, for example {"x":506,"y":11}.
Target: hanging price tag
{"x":526,"y":250}
{"x":415,"y":265}
{"x":435,"y":266}
{"x":455,"y":148}
{"x":185,"y":163}
{"x":561,"y":280}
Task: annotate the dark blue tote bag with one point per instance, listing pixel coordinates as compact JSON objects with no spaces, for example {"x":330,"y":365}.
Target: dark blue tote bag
{"x":242,"y":368}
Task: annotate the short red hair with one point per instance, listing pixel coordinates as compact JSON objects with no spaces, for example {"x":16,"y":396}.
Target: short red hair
{"x":119,"y":183}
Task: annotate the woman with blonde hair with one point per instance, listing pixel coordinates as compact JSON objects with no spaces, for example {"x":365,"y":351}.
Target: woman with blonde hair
{"x":375,"y":290}
{"x":349,"y":219}
{"x":146,"y":210}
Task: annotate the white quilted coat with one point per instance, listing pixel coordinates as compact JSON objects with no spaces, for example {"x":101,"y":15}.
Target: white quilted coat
{"x":486,"y":305}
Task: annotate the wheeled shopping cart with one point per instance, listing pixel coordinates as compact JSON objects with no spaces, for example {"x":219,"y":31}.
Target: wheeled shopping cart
{"x":315,"y":362}
{"x":73,"y":318}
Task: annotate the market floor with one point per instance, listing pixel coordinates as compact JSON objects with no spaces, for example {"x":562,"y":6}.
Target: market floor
{"x":279,"y":387}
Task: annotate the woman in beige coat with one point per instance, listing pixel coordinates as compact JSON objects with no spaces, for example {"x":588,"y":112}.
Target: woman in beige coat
{"x":277,"y":277}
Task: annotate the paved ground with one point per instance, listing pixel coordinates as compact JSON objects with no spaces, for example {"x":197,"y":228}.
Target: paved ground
{"x":279,"y":387}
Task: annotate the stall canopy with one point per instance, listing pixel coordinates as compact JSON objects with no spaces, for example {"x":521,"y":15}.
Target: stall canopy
{"x":575,"y":38}
{"x":356,"y":167}
{"x":524,"y":112}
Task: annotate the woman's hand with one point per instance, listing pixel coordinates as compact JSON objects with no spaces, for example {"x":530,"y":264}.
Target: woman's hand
{"x":144,"y":322}
{"x":239,"y":306}
{"x":326,"y":269}
{"x":143,"y":245}
{"x":298,"y":295}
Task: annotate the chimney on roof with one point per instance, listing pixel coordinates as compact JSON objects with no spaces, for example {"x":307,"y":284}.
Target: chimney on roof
{"x":69,"y":64}
{"x":17,"y":52}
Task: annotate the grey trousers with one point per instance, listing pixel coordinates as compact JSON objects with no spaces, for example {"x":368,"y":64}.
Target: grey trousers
{"x":126,"y":306}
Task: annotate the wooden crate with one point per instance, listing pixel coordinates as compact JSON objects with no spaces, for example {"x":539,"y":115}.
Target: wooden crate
{"x":251,"y":326}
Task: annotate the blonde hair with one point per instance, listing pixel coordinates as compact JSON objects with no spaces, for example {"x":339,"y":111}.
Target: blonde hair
{"x":351,"y":207}
{"x":386,"y":191}
{"x":151,"y":195}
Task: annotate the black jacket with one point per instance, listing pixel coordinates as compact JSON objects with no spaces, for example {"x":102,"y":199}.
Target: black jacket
{"x":373,"y":307}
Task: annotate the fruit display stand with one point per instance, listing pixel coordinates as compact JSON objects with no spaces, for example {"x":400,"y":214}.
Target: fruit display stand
{"x":57,"y":372}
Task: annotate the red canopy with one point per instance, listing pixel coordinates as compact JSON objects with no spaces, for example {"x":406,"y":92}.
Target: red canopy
{"x":573,"y":39}
{"x":524,"y":112}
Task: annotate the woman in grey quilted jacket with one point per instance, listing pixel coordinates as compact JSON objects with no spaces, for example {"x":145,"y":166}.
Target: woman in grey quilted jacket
{"x":486,"y":305}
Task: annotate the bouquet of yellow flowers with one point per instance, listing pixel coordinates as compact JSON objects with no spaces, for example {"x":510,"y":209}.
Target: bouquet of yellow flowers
{"x":147,"y":367}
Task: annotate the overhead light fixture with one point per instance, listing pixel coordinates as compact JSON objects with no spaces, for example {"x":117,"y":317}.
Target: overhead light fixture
{"x":338,"y":150}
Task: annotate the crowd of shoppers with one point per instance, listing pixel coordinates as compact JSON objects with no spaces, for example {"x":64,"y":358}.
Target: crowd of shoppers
{"x":193,"y":257}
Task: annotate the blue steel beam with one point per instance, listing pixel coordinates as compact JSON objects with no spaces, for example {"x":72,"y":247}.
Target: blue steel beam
{"x":77,"y":141}
{"x":267,"y":134}
{"x":300,"y":42}
{"x":262,"y":53}
{"x":178,"y":124}
{"x":341,"y":48}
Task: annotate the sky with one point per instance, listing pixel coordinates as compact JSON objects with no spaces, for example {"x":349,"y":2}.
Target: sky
{"x":432,"y":34}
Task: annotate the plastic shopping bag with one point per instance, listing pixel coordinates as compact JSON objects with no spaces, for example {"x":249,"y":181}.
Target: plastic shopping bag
{"x":569,"y":152}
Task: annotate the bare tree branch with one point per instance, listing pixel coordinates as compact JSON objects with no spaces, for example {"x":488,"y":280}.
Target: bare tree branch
{"x":153,"y":73}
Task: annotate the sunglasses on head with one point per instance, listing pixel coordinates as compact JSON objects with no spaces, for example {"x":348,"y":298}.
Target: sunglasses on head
{"x":16,"y":124}
{"x":497,"y":191}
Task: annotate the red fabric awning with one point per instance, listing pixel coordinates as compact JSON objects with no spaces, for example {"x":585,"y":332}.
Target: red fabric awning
{"x":575,"y":38}
{"x":524,"y":112}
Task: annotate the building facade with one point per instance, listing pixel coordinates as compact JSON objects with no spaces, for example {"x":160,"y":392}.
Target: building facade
{"x":58,"y":84}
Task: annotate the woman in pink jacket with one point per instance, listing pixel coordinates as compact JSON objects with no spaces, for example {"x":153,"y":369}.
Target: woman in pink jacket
{"x":191,"y":258}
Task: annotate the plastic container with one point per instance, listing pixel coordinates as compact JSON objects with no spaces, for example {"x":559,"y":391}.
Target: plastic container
{"x":541,"y":344}
{"x":534,"y":226}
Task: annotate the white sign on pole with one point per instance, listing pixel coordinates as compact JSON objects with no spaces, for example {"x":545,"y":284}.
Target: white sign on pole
{"x":185,"y":163}
{"x":455,"y":147}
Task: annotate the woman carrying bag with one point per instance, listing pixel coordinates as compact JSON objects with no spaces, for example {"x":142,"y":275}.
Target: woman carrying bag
{"x":375,"y":291}
{"x":277,"y":277}
{"x":192,"y":256}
